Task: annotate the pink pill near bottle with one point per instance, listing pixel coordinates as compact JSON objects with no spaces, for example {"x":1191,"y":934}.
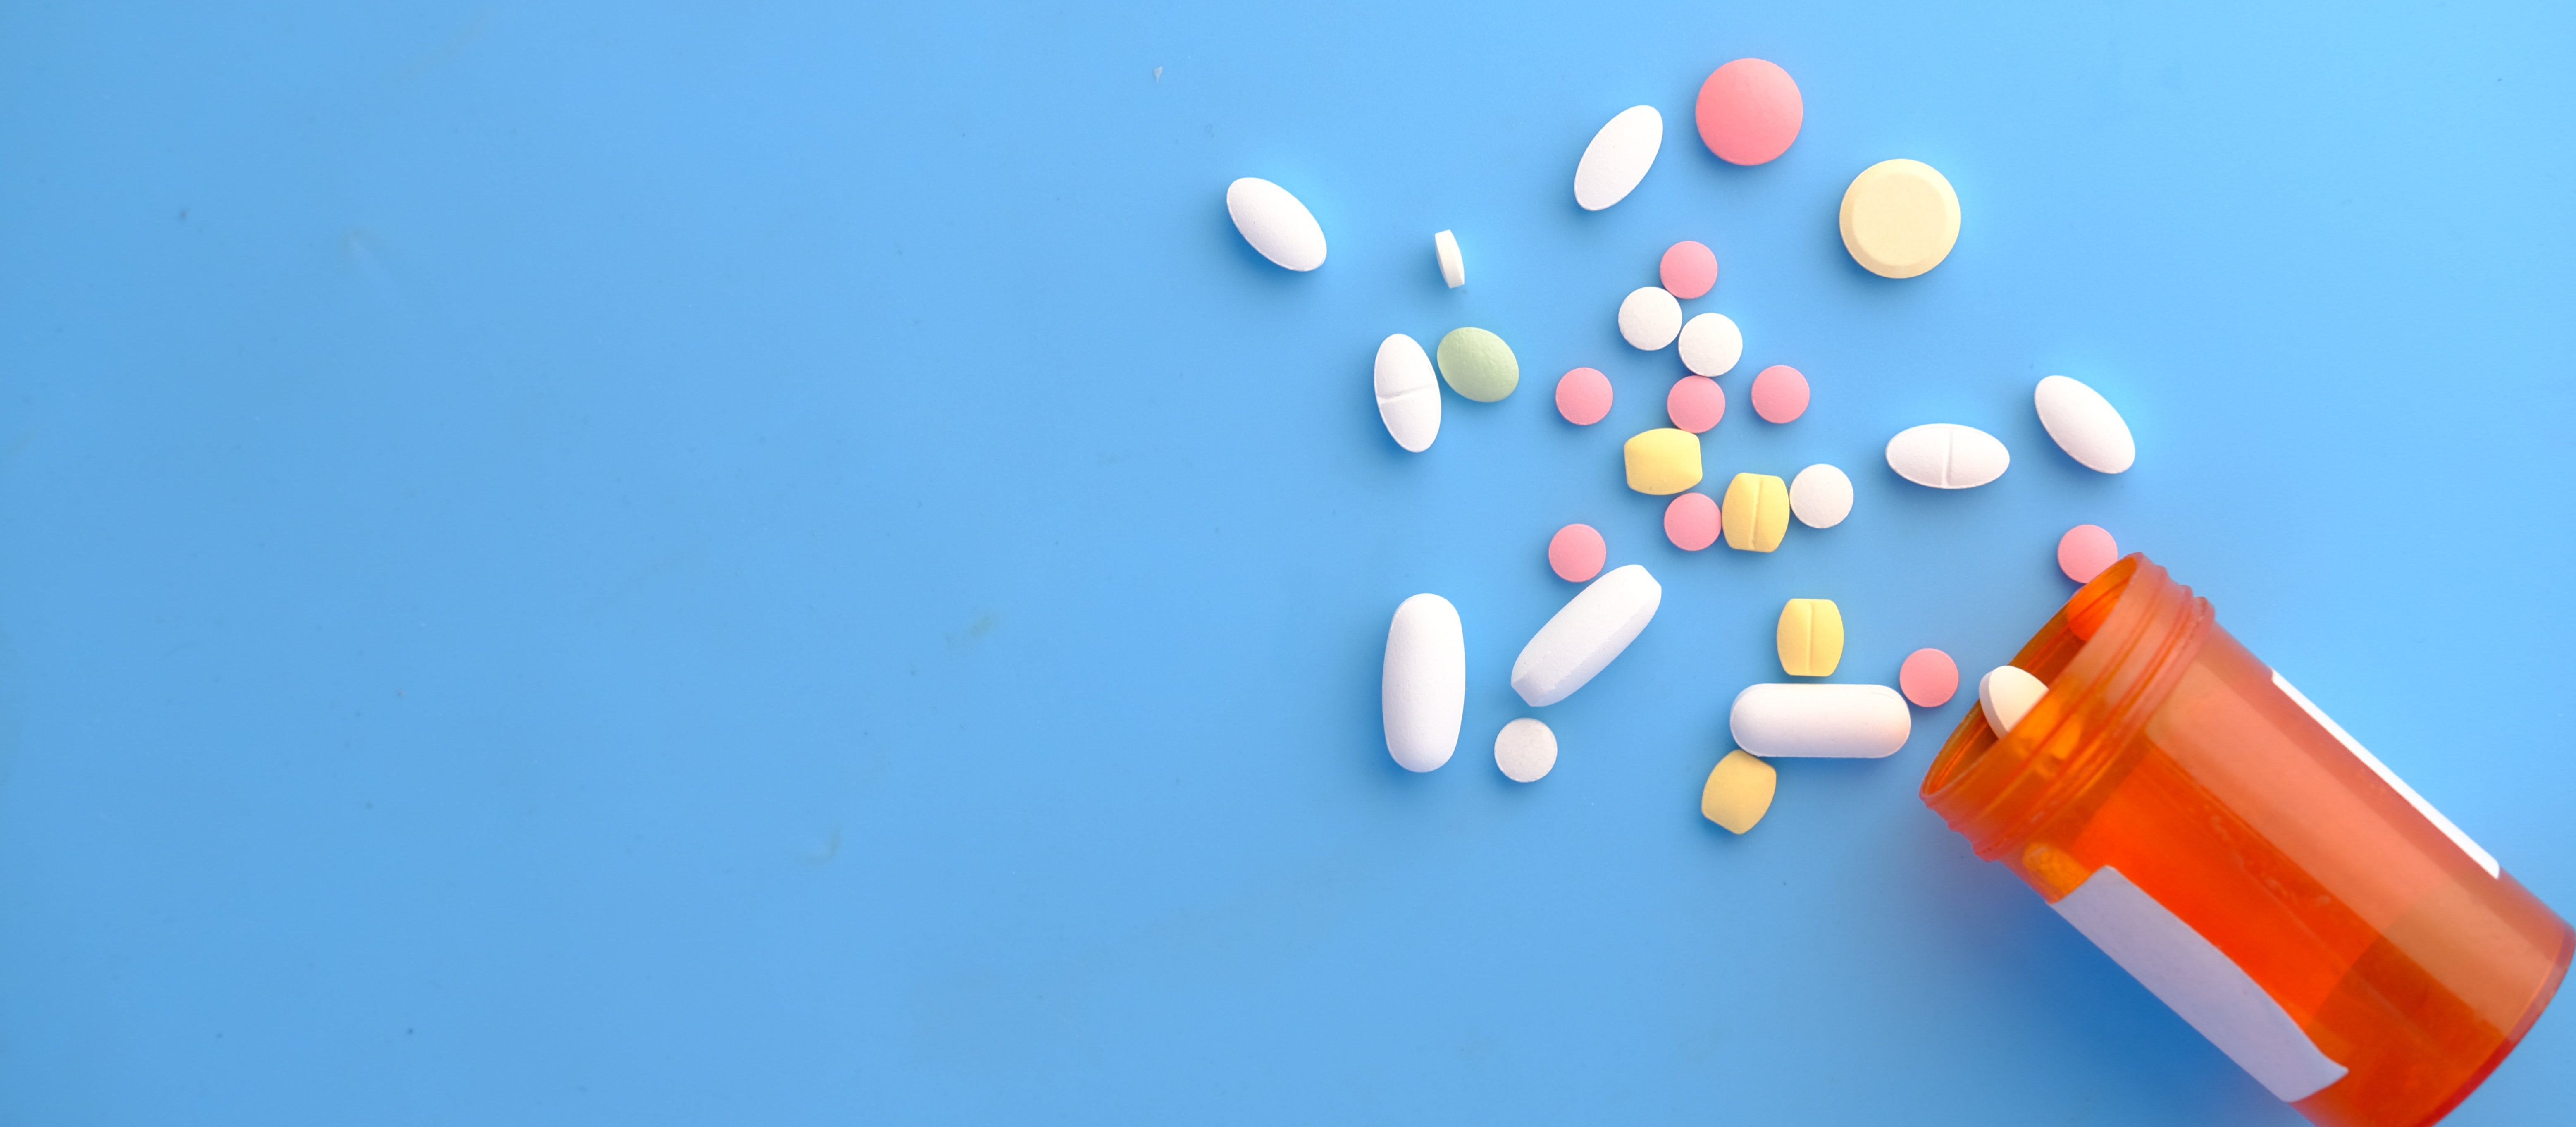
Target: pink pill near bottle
{"x":1779,"y":394}
{"x":1928,"y":677}
{"x":1576,"y":553}
{"x":2086,"y":551}
{"x":1583,"y":396}
{"x":1749,"y":111}
{"x":1689,"y":269}
{"x":1691,"y":521}
{"x":1696,"y":403}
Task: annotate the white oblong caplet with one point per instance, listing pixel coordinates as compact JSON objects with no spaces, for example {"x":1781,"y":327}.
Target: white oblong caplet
{"x":1425,"y":688}
{"x":1408,"y":393}
{"x":1820,"y":721}
{"x":1618,"y":157}
{"x":1947,"y":456}
{"x":1275,"y":223}
{"x":2085,"y":425}
{"x":1583,"y":637}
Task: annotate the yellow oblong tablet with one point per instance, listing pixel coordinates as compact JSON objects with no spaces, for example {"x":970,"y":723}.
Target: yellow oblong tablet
{"x":1900,"y":218}
{"x":1755,"y":512}
{"x":1739,"y":791}
{"x":1810,"y":637}
{"x":1663,"y":461}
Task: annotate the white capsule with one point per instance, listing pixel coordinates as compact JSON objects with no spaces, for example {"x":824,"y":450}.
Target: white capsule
{"x":1408,"y":394}
{"x":1424,"y":692}
{"x":1618,"y":157}
{"x":1525,"y":750}
{"x":1820,"y":496}
{"x":1593,"y":628}
{"x":1820,"y":720}
{"x":1711,"y":344}
{"x":1947,"y":456}
{"x":1453,"y":266}
{"x":1650,"y":317}
{"x":2006,"y":693}
{"x":1275,"y":223}
{"x":2085,"y":425}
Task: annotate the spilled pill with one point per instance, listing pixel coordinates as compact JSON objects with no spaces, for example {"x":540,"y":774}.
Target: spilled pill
{"x":2006,"y":693}
{"x":1275,"y":223}
{"x":1820,"y":495}
{"x":1819,"y":720}
{"x":1711,"y":344}
{"x":1586,"y":635}
{"x":1928,"y":677}
{"x":1738,"y":792}
{"x":1662,"y":461}
{"x":1947,"y":456}
{"x":1649,"y":318}
{"x":1479,"y":365}
{"x":1810,"y":637}
{"x":1583,"y":396}
{"x":1690,"y":522}
{"x":1779,"y":394}
{"x":2085,"y":425}
{"x":1696,"y":403}
{"x":1618,"y":157}
{"x":1689,"y":269}
{"x":1408,"y":396}
{"x":1576,"y":553}
{"x":1425,"y":685}
{"x":2085,"y":551}
{"x":1525,"y":750}
{"x":1453,"y":266}
{"x":1749,"y":111}
{"x":1899,"y":218}
{"x":1757,"y":512}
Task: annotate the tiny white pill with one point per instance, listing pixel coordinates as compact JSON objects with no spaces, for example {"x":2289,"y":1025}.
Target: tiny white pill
{"x":1711,"y":344}
{"x":1820,"y":496}
{"x":1453,"y":266}
{"x":1618,"y":157}
{"x":1525,"y":749}
{"x":1424,"y":693}
{"x":1819,"y":720}
{"x":2006,"y":692}
{"x":1650,"y":317}
{"x":1947,"y":456}
{"x":1408,"y":393}
{"x":1275,"y":223}
{"x":1585,"y":635}
{"x":2085,"y":425}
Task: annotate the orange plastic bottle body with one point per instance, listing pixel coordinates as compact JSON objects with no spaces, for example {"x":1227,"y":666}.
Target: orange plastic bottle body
{"x":2182,"y":805}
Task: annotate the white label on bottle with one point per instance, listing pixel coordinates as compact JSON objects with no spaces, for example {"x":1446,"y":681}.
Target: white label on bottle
{"x":2484,"y":859}
{"x":2200,"y":982}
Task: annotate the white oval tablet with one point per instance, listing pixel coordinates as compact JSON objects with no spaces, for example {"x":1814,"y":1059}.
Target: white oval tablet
{"x":1650,"y":317}
{"x":1275,"y":223}
{"x":2006,"y":693}
{"x":1618,"y":157}
{"x":1526,"y":750}
{"x":1820,"y":496}
{"x":1947,"y":456}
{"x":1593,"y":628}
{"x":1711,"y":344}
{"x":2085,"y":425}
{"x":1424,"y":693}
{"x":1819,"y":720}
{"x":1408,"y":393}
{"x":1453,"y":266}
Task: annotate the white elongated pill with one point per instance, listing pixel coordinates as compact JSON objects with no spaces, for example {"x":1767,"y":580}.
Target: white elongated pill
{"x":1453,"y":266}
{"x":1650,"y":317}
{"x":1275,"y":223}
{"x":2006,"y":693}
{"x":1618,"y":157}
{"x":1424,"y":693}
{"x":1818,"y":720}
{"x":1947,"y":456}
{"x":1820,"y":496}
{"x":1408,"y":393}
{"x":2085,"y":425}
{"x":1593,"y":628}
{"x":1711,"y":344}
{"x":1525,"y":750}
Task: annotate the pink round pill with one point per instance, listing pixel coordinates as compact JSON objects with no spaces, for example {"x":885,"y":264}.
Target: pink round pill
{"x":1689,"y":269}
{"x":1779,"y":394}
{"x":1583,"y":397}
{"x":1690,"y":522}
{"x":1749,"y":111}
{"x":1576,"y":553}
{"x":2085,"y":550}
{"x":1696,"y":403}
{"x":1928,"y":677}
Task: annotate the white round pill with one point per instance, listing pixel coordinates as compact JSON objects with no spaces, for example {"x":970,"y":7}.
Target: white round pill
{"x":1711,"y":344}
{"x":2085,"y":425}
{"x":1820,"y":496}
{"x":1525,"y":749}
{"x":1650,"y":317}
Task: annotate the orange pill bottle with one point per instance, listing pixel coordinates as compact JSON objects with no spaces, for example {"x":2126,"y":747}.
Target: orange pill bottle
{"x":2191,"y":813}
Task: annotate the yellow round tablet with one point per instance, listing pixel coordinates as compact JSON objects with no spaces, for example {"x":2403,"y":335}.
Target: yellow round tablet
{"x":1900,"y":218}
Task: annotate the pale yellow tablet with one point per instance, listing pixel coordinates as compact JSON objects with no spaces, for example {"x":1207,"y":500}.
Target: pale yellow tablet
{"x":1900,"y":218}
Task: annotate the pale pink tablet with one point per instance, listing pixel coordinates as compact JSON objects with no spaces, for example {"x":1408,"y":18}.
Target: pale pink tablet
{"x":1576,"y":553}
{"x":1691,"y":521}
{"x":1696,"y":403}
{"x":2084,"y":551}
{"x":1779,"y":394}
{"x":1689,"y":269}
{"x":1583,"y":397}
{"x":1749,"y":111}
{"x":1928,"y":677}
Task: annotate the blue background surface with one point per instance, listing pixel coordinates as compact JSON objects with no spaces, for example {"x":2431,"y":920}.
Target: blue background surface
{"x":766,"y":563}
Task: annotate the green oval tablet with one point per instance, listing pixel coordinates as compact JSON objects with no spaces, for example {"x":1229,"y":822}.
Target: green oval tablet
{"x":1478,"y":365}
